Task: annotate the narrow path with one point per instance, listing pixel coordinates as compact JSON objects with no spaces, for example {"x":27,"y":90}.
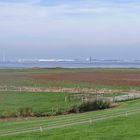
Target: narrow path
{"x":128,"y":96}
{"x":51,"y":89}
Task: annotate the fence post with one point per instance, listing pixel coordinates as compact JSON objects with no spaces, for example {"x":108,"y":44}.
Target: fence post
{"x":65,"y":98}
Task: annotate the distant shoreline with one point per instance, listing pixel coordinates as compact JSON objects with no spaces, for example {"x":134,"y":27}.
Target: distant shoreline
{"x":84,"y":64}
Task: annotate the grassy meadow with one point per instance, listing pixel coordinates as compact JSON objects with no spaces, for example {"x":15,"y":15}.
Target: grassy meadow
{"x":39,"y":103}
{"x":121,"y":122}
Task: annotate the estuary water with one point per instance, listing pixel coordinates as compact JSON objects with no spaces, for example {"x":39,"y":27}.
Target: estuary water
{"x":74,"y":64}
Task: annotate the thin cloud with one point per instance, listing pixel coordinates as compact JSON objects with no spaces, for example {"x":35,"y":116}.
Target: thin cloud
{"x":20,"y":1}
{"x":33,"y":8}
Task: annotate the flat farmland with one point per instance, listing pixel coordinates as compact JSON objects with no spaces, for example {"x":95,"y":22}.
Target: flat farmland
{"x":71,"y":78}
{"x":112,"y":78}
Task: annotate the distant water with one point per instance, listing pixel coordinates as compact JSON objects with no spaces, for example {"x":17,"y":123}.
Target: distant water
{"x":81,"y":64}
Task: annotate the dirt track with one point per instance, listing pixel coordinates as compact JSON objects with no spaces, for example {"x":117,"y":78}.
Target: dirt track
{"x":114,"y":78}
{"x":68,"y":90}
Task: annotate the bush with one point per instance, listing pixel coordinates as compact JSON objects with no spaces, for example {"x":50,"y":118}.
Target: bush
{"x":97,"y":104}
{"x":58,"y":112}
{"x":9,"y":114}
{"x":25,"y":112}
{"x":74,"y":109}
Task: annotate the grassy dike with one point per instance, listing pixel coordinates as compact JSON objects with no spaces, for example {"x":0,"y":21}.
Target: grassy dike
{"x":121,"y":123}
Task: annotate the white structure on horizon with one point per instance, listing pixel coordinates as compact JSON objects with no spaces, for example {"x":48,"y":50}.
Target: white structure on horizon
{"x":45,"y":60}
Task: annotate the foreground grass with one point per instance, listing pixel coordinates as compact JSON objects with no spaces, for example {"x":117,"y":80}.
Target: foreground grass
{"x":115,"y":129}
{"x":125,"y":127}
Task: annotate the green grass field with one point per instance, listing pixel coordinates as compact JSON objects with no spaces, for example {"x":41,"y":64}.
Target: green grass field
{"x":41,"y":103}
{"x":111,"y":124}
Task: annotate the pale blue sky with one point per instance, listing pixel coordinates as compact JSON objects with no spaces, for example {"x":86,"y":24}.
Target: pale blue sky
{"x":70,"y":28}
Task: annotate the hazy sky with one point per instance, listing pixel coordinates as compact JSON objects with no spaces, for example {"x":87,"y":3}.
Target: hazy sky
{"x":70,"y":28}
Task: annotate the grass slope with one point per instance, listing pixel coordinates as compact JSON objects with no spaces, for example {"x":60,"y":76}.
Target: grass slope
{"x":121,"y":127}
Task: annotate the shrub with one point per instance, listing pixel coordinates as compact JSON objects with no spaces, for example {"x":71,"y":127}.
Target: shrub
{"x":25,"y":112}
{"x":97,"y":104}
{"x":94,"y":105}
{"x":9,"y":113}
{"x":58,"y":112}
{"x":74,"y":109}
